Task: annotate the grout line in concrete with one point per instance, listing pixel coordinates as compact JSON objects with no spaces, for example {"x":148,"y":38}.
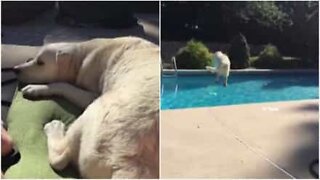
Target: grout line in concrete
{"x":254,"y":150}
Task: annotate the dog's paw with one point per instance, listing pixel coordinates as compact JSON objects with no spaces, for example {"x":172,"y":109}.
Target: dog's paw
{"x":54,"y":129}
{"x":36,"y":90}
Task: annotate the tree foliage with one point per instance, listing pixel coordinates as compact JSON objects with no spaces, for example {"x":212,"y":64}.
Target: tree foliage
{"x":292,"y":26}
{"x":262,"y":13}
{"x":239,"y":52}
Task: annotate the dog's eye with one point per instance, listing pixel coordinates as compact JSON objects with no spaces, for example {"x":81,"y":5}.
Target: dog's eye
{"x":40,"y":63}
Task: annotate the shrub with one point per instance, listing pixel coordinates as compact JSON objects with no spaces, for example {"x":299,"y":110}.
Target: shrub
{"x":239,"y":52}
{"x":269,"y":57}
{"x":195,"y":55}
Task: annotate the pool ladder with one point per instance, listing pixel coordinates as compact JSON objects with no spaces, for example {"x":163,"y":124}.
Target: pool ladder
{"x":174,"y":63}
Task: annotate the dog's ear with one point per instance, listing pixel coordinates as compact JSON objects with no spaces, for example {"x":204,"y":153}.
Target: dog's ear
{"x":63,"y":57}
{"x":66,"y":65}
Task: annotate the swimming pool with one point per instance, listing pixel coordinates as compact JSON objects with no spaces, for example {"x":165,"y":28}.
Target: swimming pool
{"x":187,"y":91}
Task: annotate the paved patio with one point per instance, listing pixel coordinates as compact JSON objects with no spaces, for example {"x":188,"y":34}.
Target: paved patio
{"x":266,"y":140}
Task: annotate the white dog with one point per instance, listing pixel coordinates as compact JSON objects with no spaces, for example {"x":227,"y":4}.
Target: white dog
{"x":117,"y":81}
{"x":222,"y":64}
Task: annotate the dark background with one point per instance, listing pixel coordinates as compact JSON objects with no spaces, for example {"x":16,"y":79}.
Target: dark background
{"x":291,"y":26}
{"x":107,"y":14}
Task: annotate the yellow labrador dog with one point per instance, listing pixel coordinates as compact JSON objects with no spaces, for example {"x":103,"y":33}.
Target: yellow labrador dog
{"x":222,"y":64}
{"x":117,"y":81}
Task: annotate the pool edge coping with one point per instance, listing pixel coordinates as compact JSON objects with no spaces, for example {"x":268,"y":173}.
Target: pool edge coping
{"x":236,"y":105}
{"x":236,"y":71}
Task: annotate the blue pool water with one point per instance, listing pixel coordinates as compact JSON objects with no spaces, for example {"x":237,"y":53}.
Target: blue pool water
{"x":201,"y":90}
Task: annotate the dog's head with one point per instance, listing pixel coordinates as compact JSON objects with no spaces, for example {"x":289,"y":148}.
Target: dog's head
{"x":53,"y":63}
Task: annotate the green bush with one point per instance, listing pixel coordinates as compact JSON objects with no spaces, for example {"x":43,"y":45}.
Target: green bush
{"x":239,"y":52}
{"x":195,"y":55}
{"x":269,"y":57}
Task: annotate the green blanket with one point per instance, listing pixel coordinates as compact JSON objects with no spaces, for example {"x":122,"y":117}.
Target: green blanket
{"x":26,"y":119}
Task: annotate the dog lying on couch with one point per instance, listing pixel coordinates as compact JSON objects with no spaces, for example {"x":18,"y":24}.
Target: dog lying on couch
{"x":116,"y":81}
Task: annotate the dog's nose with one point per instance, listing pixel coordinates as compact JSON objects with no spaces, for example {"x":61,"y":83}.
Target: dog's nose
{"x":16,"y":70}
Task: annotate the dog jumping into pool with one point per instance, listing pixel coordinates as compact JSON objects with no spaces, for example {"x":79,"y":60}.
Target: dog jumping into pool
{"x":116,"y":81}
{"x":222,"y":64}
{"x":222,"y":67}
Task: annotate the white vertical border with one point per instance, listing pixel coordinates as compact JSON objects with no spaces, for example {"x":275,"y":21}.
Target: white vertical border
{"x":318,"y":82}
{"x":1,"y":72}
{"x":160,"y":65}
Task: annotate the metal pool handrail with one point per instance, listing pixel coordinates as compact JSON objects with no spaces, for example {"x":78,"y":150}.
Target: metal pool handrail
{"x":174,"y":62}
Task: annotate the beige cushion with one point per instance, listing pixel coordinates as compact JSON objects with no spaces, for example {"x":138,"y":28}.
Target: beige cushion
{"x":12,"y":55}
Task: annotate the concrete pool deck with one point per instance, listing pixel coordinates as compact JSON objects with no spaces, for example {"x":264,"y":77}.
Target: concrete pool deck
{"x":264,"y":140}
